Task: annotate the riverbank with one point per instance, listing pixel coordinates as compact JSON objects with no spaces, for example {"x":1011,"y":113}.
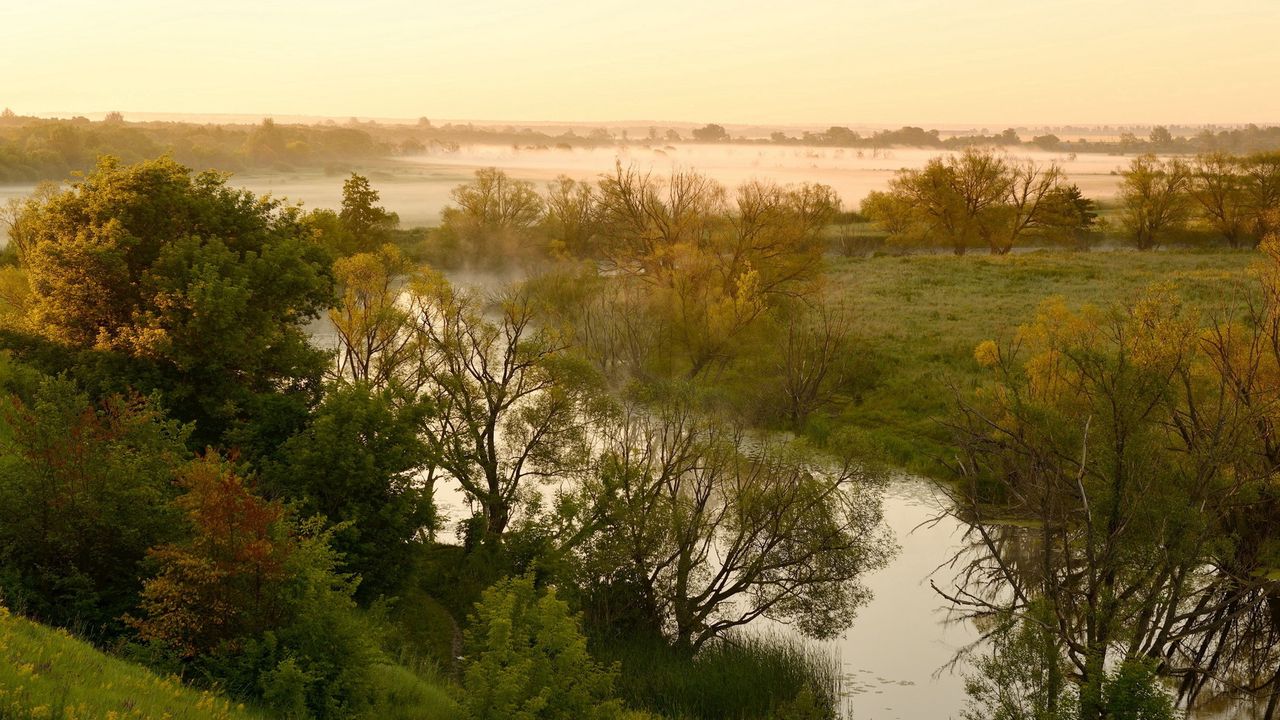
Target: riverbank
{"x":920,"y":317}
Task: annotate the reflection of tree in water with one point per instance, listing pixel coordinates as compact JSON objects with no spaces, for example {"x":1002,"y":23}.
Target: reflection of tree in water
{"x":1118,"y":478}
{"x":1214,"y":634}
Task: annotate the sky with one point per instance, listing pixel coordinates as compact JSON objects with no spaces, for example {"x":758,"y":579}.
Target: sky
{"x":925,"y":62}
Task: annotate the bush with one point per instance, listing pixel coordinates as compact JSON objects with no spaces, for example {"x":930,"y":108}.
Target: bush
{"x":84,"y":492}
{"x":527,"y":660}
{"x":741,"y":676}
{"x":251,"y":601}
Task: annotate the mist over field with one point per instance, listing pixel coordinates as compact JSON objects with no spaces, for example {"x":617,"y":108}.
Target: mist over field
{"x":417,"y":187}
{"x":806,"y":360}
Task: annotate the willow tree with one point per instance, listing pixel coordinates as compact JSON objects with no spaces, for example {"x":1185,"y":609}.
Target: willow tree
{"x":507,"y":405}
{"x":1133,"y":457}
{"x":1154,"y":199}
{"x":713,"y":265}
{"x":974,"y":198}
{"x":494,"y":217}
{"x":707,"y":528}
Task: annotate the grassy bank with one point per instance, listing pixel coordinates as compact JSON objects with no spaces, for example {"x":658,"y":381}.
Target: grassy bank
{"x":922,"y":316}
{"x":46,"y":674}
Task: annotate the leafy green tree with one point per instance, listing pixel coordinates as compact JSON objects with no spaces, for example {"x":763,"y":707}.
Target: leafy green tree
{"x":1021,"y":677}
{"x":356,"y":464}
{"x":203,"y":288}
{"x":571,"y":216}
{"x":368,"y":224}
{"x":527,"y":659}
{"x":1218,"y":184}
{"x":85,"y":490}
{"x":1134,"y":441}
{"x":375,"y":344}
{"x":1074,"y":216}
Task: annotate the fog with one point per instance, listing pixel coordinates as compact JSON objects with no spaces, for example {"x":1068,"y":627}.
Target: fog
{"x":417,"y":187}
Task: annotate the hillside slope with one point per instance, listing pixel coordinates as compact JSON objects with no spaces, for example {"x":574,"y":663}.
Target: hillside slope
{"x":46,"y":674}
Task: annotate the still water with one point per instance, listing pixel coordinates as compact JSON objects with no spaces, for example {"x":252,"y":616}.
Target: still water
{"x":897,"y":654}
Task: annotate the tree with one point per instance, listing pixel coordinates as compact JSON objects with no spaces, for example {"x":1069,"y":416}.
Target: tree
{"x":203,"y":288}
{"x":1072,"y":216}
{"x":251,"y":600}
{"x":84,"y":492}
{"x":708,"y":529}
{"x":1022,"y":677}
{"x":713,"y":269}
{"x":571,"y":216}
{"x":493,"y":216}
{"x":1263,"y":190}
{"x":711,"y":133}
{"x":777,"y":232}
{"x":1218,"y":185}
{"x":1154,"y":199}
{"x":506,"y":404}
{"x":527,"y":659}
{"x":811,"y":366}
{"x":368,"y":225}
{"x":1134,"y":455}
{"x":371,"y":327}
{"x":1032,"y":189}
{"x":221,"y":585}
{"x":356,"y":464}
{"x":960,"y":197}
{"x":894,"y":213}
{"x":976,"y":196}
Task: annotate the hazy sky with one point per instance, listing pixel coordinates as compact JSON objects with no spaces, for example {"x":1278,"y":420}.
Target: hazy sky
{"x":787,"y":61}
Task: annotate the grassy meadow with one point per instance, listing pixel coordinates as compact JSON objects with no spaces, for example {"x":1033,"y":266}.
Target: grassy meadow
{"x":922,"y":315}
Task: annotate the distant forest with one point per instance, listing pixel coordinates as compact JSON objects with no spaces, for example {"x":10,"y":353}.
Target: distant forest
{"x":34,"y":149}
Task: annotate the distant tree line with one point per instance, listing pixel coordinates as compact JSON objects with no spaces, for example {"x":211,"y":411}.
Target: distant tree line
{"x":983,"y":198}
{"x":34,"y":149}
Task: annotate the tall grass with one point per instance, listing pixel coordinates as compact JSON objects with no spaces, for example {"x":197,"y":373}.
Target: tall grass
{"x":403,"y":694}
{"x":743,"y":677}
{"x":46,"y":674}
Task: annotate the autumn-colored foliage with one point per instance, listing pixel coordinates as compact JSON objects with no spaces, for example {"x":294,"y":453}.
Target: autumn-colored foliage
{"x":222,"y":583}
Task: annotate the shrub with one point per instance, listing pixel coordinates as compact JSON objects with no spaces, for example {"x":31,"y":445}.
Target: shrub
{"x":527,"y":659}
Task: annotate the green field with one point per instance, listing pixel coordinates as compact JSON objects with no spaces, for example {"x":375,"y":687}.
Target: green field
{"x":920,"y":317}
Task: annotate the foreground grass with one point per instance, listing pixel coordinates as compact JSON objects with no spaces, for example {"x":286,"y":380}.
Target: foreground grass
{"x":46,"y":674}
{"x":744,"y":677}
{"x":923,"y":315}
